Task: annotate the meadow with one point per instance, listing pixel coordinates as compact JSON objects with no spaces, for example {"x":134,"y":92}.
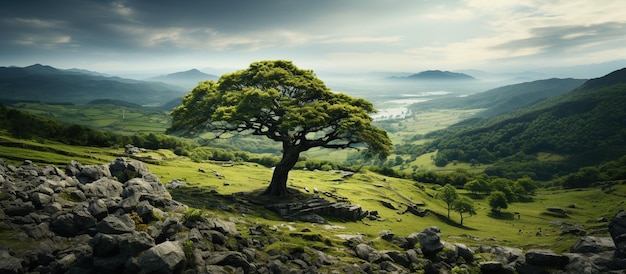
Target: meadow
{"x":533,"y":227}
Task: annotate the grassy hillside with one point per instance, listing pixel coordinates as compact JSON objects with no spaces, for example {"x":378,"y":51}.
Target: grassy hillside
{"x":583,"y":206}
{"x":584,"y":127}
{"x":103,"y":116}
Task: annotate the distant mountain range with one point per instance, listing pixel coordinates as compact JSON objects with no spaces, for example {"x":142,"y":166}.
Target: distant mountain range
{"x":436,"y":75}
{"x":186,"y":79}
{"x":50,"y":85}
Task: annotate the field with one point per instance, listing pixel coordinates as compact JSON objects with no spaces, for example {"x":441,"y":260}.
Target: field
{"x":534,"y":227}
{"x":103,"y":116}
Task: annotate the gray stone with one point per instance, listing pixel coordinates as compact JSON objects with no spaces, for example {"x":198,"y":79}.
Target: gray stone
{"x":72,"y":223}
{"x":590,"y":244}
{"x":40,"y":199}
{"x":366,"y":252}
{"x":617,"y":228}
{"x":430,"y":240}
{"x":230,"y":258}
{"x":112,"y":224}
{"x":167,"y":257}
{"x":103,"y":188}
{"x":10,"y":264}
{"x":546,"y":257}
{"x":98,"y":209}
{"x":38,"y":232}
{"x":17,"y":207}
{"x":87,"y":174}
{"x":124,"y":169}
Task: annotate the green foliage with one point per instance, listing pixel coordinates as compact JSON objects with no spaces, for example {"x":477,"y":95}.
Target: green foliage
{"x":448,"y":194}
{"x":464,"y":205}
{"x":23,"y":125}
{"x":283,"y":103}
{"x":497,"y":201}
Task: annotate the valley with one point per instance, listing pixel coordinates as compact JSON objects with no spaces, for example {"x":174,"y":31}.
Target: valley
{"x":571,"y":201}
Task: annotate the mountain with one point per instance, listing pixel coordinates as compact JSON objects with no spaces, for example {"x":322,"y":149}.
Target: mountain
{"x":186,"y":79}
{"x":583,"y":127}
{"x":506,"y":98}
{"x":437,"y":75}
{"x":48,"y":84}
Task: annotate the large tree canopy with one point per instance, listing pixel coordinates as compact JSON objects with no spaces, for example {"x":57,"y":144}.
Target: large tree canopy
{"x":286,"y":104}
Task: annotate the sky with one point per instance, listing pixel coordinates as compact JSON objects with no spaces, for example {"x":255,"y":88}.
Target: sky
{"x":158,"y":36}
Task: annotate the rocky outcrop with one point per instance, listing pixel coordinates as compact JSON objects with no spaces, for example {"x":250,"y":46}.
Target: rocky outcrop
{"x":119,"y":218}
{"x":617,"y":228}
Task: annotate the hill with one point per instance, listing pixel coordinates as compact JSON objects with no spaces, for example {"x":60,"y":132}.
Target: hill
{"x":583,"y":127}
{"x":437,"y":75}
{"x":48,"y":84}
{"x":186,"y":79}
{"x":506,"y":98}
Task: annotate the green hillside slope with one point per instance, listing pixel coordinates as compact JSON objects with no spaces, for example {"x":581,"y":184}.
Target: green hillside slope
{"x":587,"y":126}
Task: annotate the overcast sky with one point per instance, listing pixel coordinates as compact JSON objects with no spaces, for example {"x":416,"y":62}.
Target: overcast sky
{"x":323,"y":35}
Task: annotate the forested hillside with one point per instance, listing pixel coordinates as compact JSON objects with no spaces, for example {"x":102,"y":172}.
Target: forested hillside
{"x":584,"y":127}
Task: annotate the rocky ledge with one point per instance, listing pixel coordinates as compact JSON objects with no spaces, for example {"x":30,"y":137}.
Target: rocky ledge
{"x":119,"y":218}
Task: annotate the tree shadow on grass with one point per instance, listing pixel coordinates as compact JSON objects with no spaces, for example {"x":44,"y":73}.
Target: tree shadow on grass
{"x":450,"y":222}
{"x":501,"y":215}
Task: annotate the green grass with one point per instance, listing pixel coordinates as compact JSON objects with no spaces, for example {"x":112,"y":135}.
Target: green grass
{"x":103,"y":116}
{"x":367,"y":189}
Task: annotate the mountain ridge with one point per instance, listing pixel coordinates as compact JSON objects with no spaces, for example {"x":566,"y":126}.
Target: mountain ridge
{"x":48,"y":84}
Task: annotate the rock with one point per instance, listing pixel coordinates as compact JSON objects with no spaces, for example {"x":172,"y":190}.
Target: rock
{"x":491,"y":267}
{"x":590,"y":244}
{"x":72,"y":223}
{"x":112,"y":224}
{"x":167,"y":257}
{"x":10,"y":264}
{"x":386,"y":235}
{"x":87,"y":174}
{"x":103,"y":188}
{"x":230,"y":258}
{"x":398,"y":257}
{"x":503,"y":254}
{"x":465,"y":252}
{"x":617,"y":229}
{"x":125,"y":170}
{"x":546,"y":257}
{"x":98,"y":209}
{"x":17,"y":207}
{"x":38,"y":232}
{"x":430,"y":240}
{"x":367,"y":253}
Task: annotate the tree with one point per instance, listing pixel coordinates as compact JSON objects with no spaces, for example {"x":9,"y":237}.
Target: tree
{"x":464,"y":205}
{"x":497,"y":201}
{"x":286,"y":104}
{"x":448,"y":194}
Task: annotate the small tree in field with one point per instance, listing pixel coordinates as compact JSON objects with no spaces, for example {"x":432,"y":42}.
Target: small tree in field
{"x":497,"y":201}
{"x":286,"y":104}
{"x":448,"y":194}
{"x":464,"y":205}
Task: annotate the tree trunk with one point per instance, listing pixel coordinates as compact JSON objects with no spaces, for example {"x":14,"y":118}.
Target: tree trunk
{"x":461,"y":218}
{"x":278,"y":185}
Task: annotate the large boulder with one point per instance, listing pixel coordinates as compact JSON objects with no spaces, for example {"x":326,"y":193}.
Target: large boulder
{"x":617,"y":228}
{"x":590,"y":244}
{"x":87,"y":174}
{"x":546,"y":257}
{"x":430,"y":240}
{"x":103,"y":188}
{"x":125,"y":170}
{"x":166,"y":257}
{"x":72,"y":223}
